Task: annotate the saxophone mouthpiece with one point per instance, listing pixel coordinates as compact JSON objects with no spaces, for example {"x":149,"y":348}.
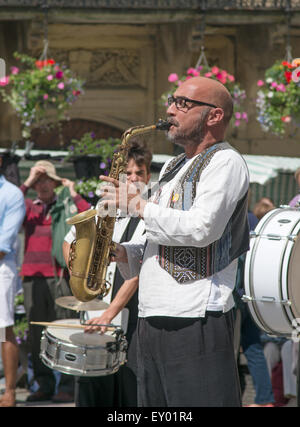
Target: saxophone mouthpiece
{"x":163,"y":125}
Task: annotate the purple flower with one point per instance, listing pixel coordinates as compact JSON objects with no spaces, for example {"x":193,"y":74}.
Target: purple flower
{"x":102,"y":165}
{"x":59,"y":75}
{"x":72,"y":147}
{"x":91,"y":194}
{"x":93,"y":135}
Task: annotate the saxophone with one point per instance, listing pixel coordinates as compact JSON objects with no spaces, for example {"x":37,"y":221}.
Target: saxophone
{"x":90,"y":252}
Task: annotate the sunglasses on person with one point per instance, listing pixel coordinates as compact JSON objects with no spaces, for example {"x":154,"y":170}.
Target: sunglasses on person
{"x":181,"y":102}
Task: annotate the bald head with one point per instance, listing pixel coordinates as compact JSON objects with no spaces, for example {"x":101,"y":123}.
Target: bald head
{"x":208,"y":90}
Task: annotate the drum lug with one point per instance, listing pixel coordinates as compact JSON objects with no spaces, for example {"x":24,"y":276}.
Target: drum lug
{"x":57,"y":350}
{"x":292,"y":237}
{"x":247,"y":298}
{"x":273,"y":237}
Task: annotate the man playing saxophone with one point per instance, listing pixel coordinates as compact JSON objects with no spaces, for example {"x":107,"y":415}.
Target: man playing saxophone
{"x":196,"y":228}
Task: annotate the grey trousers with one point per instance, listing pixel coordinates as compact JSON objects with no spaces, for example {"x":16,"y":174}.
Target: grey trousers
{"x":40,"y":294}
{"x":185,"y":362}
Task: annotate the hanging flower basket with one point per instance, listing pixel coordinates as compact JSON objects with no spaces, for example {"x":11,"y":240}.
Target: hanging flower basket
{"x":91,"y":156}
{"x":216,"y":73}
{"x":278,"y":97}
{"x":41,"y":93}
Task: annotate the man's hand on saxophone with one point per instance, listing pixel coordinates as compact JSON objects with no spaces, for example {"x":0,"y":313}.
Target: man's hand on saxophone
{"x":125,"y":196}
{"x":118,"y":254}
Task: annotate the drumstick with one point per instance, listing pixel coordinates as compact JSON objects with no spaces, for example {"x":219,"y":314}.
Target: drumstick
{"x":71,"y":326}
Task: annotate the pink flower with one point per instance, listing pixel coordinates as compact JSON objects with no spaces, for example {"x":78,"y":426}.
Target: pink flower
{"x":237,"y":123}
{"x":50,"y":77}
{"x":260,"y":83}
{"x":209,"y":74}
{"x":215,"y":70}
{"x":46,"y":96}
{"x":230,"y":78}
{"x":4,"y":81}
{"x":61,"y":85}
{"x":274,"y":84}
{"x":245,"y":116}
{"x":14,"y":70}
{"x":281,"y":88}
{"x":286,"y":119}
{"x":238,"y":115}
{"x":173,"y":77}
{"x":191,"y":70}
{"x":221,"y":78}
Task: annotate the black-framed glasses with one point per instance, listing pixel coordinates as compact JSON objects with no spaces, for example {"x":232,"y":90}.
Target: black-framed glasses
{"x":181,"y":102}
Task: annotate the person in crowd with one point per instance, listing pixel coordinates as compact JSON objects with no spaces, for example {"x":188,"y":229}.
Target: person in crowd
{"x":196,"y":228}
{"x":295,"y":200}
{"x":12,"y":212}
{"x":263,"y":206}
{"x":119,"y":389}
{"x":43,"y":279}
{"x":280,"y":354}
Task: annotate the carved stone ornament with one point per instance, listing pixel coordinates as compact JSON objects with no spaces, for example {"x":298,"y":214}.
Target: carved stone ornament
{"x":115,"y":67}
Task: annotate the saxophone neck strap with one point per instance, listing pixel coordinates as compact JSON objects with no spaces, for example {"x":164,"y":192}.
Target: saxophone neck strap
{"x":167,"y":176}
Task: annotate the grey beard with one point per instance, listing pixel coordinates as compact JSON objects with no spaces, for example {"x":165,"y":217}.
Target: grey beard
{"x":196,"y":136}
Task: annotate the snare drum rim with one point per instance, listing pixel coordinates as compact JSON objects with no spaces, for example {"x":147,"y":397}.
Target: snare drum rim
{"x":83,"y":347}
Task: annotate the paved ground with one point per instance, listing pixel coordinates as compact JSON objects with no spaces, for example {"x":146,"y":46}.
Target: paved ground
{"x":22,"y":393}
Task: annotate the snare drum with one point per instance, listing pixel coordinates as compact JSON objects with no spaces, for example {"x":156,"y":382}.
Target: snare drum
{"x":82,"y":354}
{"x":272,"y":272}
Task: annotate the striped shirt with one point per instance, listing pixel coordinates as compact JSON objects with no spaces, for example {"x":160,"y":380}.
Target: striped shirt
{"x":38,"y":237}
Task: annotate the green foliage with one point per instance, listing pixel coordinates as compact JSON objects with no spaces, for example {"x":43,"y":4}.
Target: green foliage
{"x":88,"y":187}
{"x":89,"y":145}
{"x":21,"y":326}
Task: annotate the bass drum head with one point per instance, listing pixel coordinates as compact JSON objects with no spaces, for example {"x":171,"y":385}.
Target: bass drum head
{"x":294,"y":279}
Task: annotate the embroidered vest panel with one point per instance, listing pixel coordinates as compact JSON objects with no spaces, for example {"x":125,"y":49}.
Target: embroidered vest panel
{"x":187,"y":264}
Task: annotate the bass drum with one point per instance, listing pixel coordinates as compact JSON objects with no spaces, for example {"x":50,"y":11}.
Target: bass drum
{"x":272,"y":272}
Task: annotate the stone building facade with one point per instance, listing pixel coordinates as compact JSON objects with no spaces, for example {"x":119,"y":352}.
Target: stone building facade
{"x":125,"y":50}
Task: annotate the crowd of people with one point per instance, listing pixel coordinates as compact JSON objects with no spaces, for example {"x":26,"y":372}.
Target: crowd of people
{"x":178,"y":256}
